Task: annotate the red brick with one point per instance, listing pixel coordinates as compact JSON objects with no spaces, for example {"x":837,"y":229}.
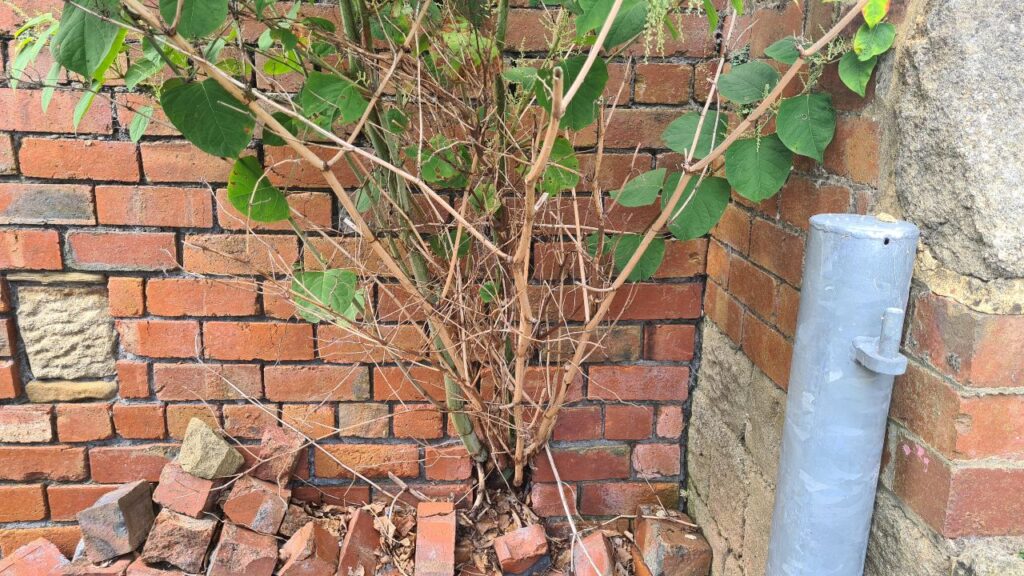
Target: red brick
{"x":667,"y":83}
{"x":604,"y":498}
{"x":417,"y":421}
{"x":240,"y":254}
{"x":769,"y":25}
{"x":545,"y":501}
{"x":25,"y":112}
{"x":247,"y":421}
{"x":311,"y":210}
{"x":160,"y":338}
{"x":593,"y":556}
{"x":777,"y":250}
{"x":5,"y":296}
{"x":201,"y":297}
{"x":182,"y":162}
{"x":669,"y":342}
{"x":132,"y":379}
{"x":184,"y":493}
{"x":37,"y":557}
{"x":258,"y":341}
{"x":520,"y":549}
{"x":768,"y":349}
{"x":392,"y":383}
{"x":978,"y":350}
{"x":122,"y":250}
{"x":448,"y":464}
{"x":787,"y":306}
{"x":8,"y":337}
{"x":656,"y":460}
{"x":287,"y":169}
{"x":578,"y":423}
{"x":683,"y":259}
{"x":734,"y":228}
{"x":313,"y":420}
{"x":117,"y":464}
{"x":83,"y":422}
{"x":78,"y":159}
{"x":125,"y":296}
{"x":628,"y":128}
{"x":316,"y":383}
{"x":12,"y":17}
{"x":22,"y":503}
{"x":725,"y":311}
{"x":26,"y":423}
{"x":627,"y":422}
{"x":370,"y":460}
{"x":435,"y":539}
{"x":337,"y":345}
{"x":337,"y":495}
{"x":655,"y":302}
{"x":718,"y":262}
{"x":854,"y":150}
{"x":46,"y":204}
{"x":139,"y":421}
{"x":7,"y":164}
{"x":30,"y":250}
{"x":257,"y":505}
{"x":26,"y":463}
{"x":154,"y":206}
{"x":67,"y":500}
{"x":638,"y":383}
{"x":10,"y":380}
{"x":802,"y":198}
{"x":179,"y":415}
{"x":64,"y":537}
{"x":753,"y":287}
{"x":128,"y":104}
{"x":670,"y":422}
{"x":597,"y":463}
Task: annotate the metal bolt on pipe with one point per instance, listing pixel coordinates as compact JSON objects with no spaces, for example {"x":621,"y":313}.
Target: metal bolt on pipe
{"x":855,"y":286}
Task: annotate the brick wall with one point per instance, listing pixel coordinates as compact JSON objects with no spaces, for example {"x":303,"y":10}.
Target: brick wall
{"x":129,"y":247}
{"x":952,"y":466}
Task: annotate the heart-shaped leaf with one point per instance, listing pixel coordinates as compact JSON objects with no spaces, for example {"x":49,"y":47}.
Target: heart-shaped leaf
{"x":703,"y":211}
{"x":679,"y":134}
{"x":324,"y":295}
{"x":198,"y":17}
{"x":208,"y":116}
{"x":870,"y":42}
{"x":758,"y":167}
{"x":748,"y":83}
{"x":251,"y":193}
{"x":806,"y":124}
{"x":627,"y":245}
{"x":642,"y":190}
{"x":856,"y":73}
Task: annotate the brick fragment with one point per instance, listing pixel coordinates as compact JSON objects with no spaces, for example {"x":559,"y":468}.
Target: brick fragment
{"x":312,"y":551}
{"x":257,"y":505}
{"x":361,"y":542}
{"x":520,"y":550}
{"x":33,"y":559}
{"x":597,"y":560}
{"x":205,"y":454}
{"x":118,"y":522}
{"x":435,"y":539}
{"x":242,"y":552}
{"x":184,"y":493}
{"x":279,"y":452}
{"x":83,"y":567}
{"x":294,"y":519}
{"x":140,"y":568}
{"x":179,"y":540}
{"x":667,"y":547}
{"x":67,"y":500}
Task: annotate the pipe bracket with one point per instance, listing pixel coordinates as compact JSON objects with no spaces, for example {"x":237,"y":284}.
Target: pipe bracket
{"x":865,"y":349}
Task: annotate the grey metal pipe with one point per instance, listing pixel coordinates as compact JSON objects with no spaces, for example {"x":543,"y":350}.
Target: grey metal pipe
{"x":855,"y":286}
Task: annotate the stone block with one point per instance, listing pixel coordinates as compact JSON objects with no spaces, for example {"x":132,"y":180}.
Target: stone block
{"x":257,"y":505}
{"x":184,"y":493}
{"x":991,"y":557}
{"x":206,"y":454}
{"x":179,"y":540}
{"x":294,"y":518}
{"x":43,"y":391}
{"x":592,"y":556}
{"x":361,"y":542}
{"x":24,"y":424}
{"x":67,"y":331}
{"x":435,"y":539}
{"x":520,"y":550}
{"x":763,"y":436}
{"x":312,"y":551}
{"x":900,"y":543}
{"x":118,"y":522}
{"x":757,"y":523}
{"x":667,"y":545}
{"x":37,"y":557}
{"x":242,"y":552}
{"x":279,"y":452}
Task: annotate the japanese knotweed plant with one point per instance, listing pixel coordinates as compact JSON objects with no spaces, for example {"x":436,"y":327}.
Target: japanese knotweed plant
{"x":466,"y":164}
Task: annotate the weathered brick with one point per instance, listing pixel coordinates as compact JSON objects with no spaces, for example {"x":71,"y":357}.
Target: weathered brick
{"x":154,"y":206}
{"x":370,"y":460}
{"x":625,"y":422}
{"x":125,"y":295}
{"x":179,"y":416}
{"x":734,"y":228}
{"x":638,"y":382}
{"x":84,"y":422}
{"x":7,"y":162}
{"x":663,"y":83}
{"x":597,"y":463}
{"x":669,"y":342}
{"x":248,"y":421}
{"x":769,"y":350}
{"x":122,"y":250}
{"x":435,"y":539}
{"x":25,"y":113}
{"x":545,"y":501}
{"x":656,"y":460}
{"x":801,"y":198}
{"x":725,"y":311}
{"x":258,"y":340}
{"x":753,"y":287}
{"x":30,"y":250}
{"x":578,"y":423}
{"x":78,"y":159}
{"x":26,"y":463}
{"x":240,"y":254}
{"x":25,"y":424}
{"x":67,"y":500}
{"x":287,"y":169}
{"x":201,"y":297}
{"x":22,"y":503}
{"x":132,"y":379}
{"x":316,"y":383}
{"x":8,"y":337}
{"x":160,"y":338}
{"x":37,"y":557}
{"x":311,"y":210}
{"x":417,"y":421}
{"x":337,"y":345}
{"x":777,"y":250}
{"x":116,"y":464}
{"x":606,"y":498}
{"x":854,"y":150}
{"x":64,"y":537}
{"x":139,"y":421}
{"x":313,"y":420}
{"x":10,"y":380}
{"x":393,"y":383}
{"x":181,"y":162}
{"x":45,"y":204}
{"x":363,"y":420}
{"x":670,"y":422}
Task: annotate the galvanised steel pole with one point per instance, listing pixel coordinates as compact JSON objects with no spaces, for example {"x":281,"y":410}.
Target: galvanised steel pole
{"x":855,"y":287}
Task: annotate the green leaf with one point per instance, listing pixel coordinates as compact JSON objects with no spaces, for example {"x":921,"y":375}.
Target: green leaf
{"x":525,"y":76}
{"x":198,"y":17}
{"x":709,"y":7}
{"x":870,"y":42}
{"x":251,"y":193}
{"x":642,"y":190}
{"x":874,"y":11}
{"x":84,"y":103}
{"x":208,"y":116}
{"x":806,"y":124}
{"x":318,"y":294}
{"x":137,"y":127}
{"x":141,"y":71}
{"x":442,"y":244}
{"x":748,"y":83}
{"x":593,"y":240}
{"x":629,"y":21}
{"x":856,"y":73}
{"x":484,"y":199}
{"x":84,"y":40}
{"x":51,"y":85}
{"x":333,"y":96}
{"x":704,"y":210}
{"x":562,"y":172}
{"x":582,"y":111}
{"x":784,"y":50}
{"x":627,"y":245}
{"x":758,"y":167}
{"x":737,"y":5}
{"x":28,"y":53}
{"x":488,"y":292}
{"x":679,"y":134}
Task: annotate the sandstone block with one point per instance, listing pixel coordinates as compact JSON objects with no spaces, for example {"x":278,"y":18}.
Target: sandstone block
{"x":435,"y":539}
{"x":23,"y":424}
{"x":206,"y":454}
{"x":592,"y":556}
{"x":280,"y":449}
{"x":361,"y":541}
{"x":257,"y":505}
{"x":118,"y":522}
{"x":184,"y":493}
{"x":294,"y":519}
{"x":67,"y":331}
{"x":520,"y":550}
{"x":312,"y":551}
{"x":242,"y":552}
{"x":179,"y":540}
{"x":37,"y":557}
{"x":665,"y":547}
{"x":42,"y":391}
